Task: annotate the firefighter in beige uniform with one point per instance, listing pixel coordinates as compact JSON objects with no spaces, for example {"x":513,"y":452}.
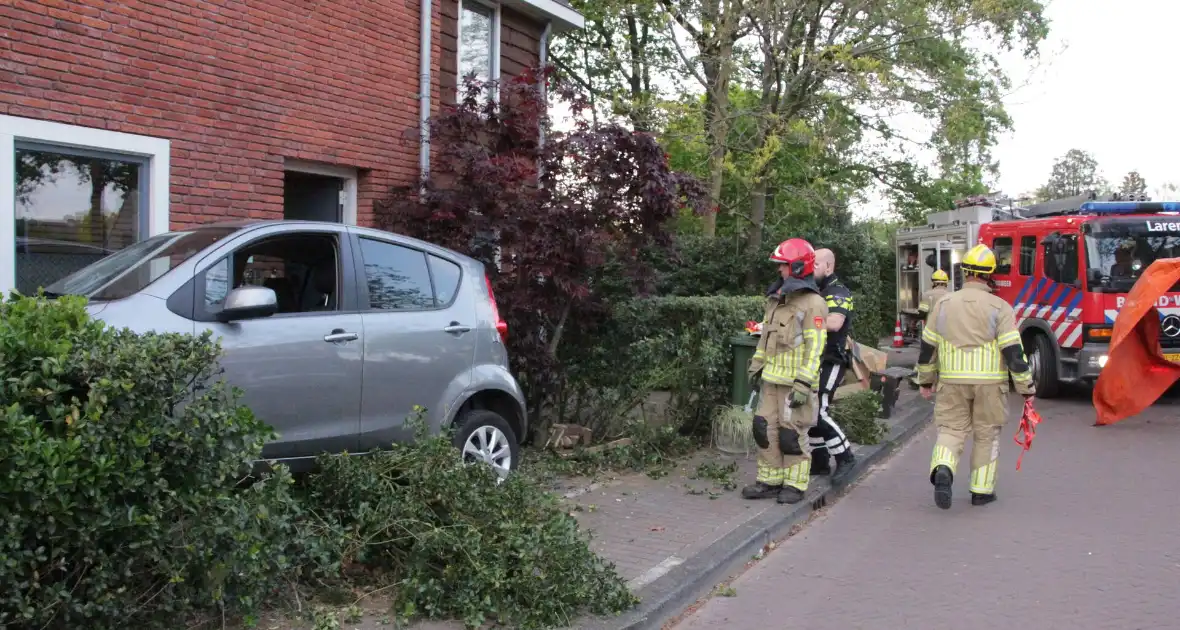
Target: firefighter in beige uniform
{"x":785,"y":368}
{"x":970,"y":345}
{"x":940,"y":281}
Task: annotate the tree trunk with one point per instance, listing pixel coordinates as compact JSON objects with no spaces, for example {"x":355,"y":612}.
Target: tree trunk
{"x":717,"y":117}
{"x":757,"y":218}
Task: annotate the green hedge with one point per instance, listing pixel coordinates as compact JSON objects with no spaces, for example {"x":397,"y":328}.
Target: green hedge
{"x":120,"y":508}
{"x":721,"y":266}
{"x":676,"y":344}
{"x":123,"y":464}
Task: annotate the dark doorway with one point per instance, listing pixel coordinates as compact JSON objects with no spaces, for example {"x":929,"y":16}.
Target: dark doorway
{"x":308,"y":197}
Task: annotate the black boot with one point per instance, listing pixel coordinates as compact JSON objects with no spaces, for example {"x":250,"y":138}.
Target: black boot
{"x":821,"y":462}
{"x":845,"y":462}
{"x":790,"y":495}
{"x":759,"y":490}
{"x":942,"y":478}
{"x":982,"y":499}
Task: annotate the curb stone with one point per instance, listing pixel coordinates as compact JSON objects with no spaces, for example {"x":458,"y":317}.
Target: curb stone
{"x":682,"y":586}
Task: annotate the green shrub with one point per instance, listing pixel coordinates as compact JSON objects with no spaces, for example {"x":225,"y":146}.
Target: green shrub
{"x":119,"y":464}
{"x":727,"y":266}
{"x":459,"y":546}
{"x":857,"y":413}
{"x":675,"y":344}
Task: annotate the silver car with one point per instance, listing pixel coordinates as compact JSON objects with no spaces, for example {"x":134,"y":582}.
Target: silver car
{"x":335,"y":333}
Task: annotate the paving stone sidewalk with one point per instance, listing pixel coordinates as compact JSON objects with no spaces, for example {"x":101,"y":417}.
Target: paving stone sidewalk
{"x":648,"y":526}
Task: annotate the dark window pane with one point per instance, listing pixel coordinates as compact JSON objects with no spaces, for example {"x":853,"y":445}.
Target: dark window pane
{"x":446,"y":279}
{"x":1003,"y":250}
{"x":396,"y":276}
{"x":70,"y":212}
{"x":1028,"y":252}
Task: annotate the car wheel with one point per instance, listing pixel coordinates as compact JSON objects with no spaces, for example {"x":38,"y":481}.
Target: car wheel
{"x":485,"y":437}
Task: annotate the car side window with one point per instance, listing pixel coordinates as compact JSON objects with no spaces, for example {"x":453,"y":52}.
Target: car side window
{"x":446,"y":276}
{"x":216,"y":283}
{"x":1002,"y":246}
{"x":1028,"y":254}
{"x":303,"y":269}
{"x":397,"y":277}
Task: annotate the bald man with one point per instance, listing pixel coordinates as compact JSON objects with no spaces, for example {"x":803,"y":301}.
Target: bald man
{"x":826,"y":438}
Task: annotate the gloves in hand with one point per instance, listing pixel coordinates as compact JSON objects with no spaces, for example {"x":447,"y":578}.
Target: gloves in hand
{"x":798,"y":399}
{"x":756,"y":379}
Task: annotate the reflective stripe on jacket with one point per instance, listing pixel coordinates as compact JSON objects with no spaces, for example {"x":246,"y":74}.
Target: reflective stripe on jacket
{"x":969,"y":330}
{"x":794,"y":331}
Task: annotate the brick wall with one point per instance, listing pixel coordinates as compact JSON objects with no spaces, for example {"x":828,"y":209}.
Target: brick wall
{"x":236,"y":85}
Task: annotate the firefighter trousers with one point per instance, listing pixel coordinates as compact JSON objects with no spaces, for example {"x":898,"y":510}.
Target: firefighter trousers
{"x":781,"y":434}
{"x":976,"y":410}
{"x":826,"y":437}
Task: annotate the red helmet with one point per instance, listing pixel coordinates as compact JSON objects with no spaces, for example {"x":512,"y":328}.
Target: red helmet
{"x":797,"y":253}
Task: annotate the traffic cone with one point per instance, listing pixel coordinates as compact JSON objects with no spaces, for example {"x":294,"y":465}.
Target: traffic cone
{"x":897,"y":340}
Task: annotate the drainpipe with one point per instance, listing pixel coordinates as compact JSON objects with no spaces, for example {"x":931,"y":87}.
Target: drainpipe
{"x":544,"y":60}
{"x":425,"y":53}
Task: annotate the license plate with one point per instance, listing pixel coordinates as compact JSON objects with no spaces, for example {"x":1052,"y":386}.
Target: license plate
{"x":1174,"y":358}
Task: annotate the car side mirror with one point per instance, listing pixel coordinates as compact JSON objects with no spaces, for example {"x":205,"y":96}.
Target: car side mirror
{"x":248,"y":302}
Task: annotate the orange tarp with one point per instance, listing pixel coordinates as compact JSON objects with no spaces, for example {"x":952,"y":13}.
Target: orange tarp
{"x":1136,"y":373}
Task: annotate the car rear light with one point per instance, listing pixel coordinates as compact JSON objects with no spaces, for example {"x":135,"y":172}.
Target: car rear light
{"x":501,"y":325}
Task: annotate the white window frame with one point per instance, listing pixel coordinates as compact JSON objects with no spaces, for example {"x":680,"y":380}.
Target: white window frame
{"x":348,"y":215}
{"x":13,"y":129}
{"x":497,"y":27}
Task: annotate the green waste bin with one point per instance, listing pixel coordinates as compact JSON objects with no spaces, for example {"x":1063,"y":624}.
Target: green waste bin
{"x":743,"y":350}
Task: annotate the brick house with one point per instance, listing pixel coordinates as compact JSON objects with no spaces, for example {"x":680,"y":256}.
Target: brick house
{"x":120,"y":120}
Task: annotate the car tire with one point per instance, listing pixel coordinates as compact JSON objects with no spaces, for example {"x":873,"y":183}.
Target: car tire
{"x":1045,"y":367}
{"x":483,"y":435}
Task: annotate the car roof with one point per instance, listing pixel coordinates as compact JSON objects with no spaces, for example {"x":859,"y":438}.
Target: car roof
{"x":253,"y":224}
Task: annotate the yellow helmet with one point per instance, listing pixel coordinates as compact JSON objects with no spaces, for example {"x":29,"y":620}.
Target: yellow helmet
{"x":940,"y":276}
{"x":980,"y":260}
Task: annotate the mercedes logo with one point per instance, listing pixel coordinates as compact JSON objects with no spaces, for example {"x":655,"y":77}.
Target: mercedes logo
{"x":1171,"y":325}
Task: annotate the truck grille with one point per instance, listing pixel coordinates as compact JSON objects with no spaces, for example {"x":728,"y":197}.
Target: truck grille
{"x":1170,"y":324}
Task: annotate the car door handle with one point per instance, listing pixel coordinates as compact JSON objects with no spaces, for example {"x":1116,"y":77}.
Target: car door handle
{"x":456,"y":328}
{"x":339,"y":335}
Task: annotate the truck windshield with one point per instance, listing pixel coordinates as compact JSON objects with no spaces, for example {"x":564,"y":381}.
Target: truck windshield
{"x":1118,"y":251}
{"x":130,"y":270}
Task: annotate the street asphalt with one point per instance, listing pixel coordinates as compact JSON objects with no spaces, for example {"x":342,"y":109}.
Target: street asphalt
{"x":1083,"y":537}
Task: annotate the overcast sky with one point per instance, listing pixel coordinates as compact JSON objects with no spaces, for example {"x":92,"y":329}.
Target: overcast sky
{"x":1097,"y":88}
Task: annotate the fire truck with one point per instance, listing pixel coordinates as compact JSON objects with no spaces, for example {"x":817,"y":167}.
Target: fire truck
{"x":1065,"y":266}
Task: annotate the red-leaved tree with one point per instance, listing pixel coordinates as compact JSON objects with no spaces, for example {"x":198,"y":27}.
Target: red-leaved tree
{"x":544,"y":210}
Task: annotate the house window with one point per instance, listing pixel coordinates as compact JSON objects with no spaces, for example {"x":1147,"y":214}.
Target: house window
{"x":70,"y":196}
{"x":479,"y":41}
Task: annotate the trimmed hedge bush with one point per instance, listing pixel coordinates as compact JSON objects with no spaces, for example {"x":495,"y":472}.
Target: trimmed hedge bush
{"x":119,"y":457}
{"x":122,"y":468}
{"x":677,"y":344}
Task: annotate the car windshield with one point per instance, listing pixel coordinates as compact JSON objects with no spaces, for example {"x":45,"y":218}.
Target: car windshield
{"x":1119,"y":251}
{"x":130,"y":270}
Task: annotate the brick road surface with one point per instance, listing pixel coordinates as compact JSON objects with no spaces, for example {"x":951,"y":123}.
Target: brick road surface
{"x":1083,"y":537}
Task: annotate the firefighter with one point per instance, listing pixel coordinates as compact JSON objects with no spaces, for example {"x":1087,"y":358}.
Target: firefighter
{"x":826,"y":438}
{"x":970,"y":345}
{"x":785,"y":368}
{"x":940,"y":281}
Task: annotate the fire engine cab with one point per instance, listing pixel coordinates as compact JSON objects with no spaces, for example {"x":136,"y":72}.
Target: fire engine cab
{"x":1065,"y":266}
